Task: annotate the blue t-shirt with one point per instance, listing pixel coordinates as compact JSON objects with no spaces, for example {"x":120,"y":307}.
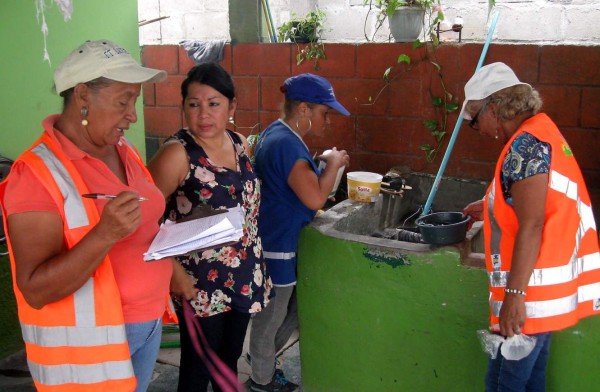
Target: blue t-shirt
{"x":282,"y":214}
{"x":526,"y":157}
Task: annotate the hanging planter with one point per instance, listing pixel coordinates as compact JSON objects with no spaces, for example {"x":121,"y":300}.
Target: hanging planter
{"x":303,"y":30}
{"x":302,"y":34}
{"x":306,"y":33}
{"x":406,"y":23}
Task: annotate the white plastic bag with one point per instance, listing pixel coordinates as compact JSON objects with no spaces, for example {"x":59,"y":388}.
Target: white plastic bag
{"x":489,"y":342}
{"x":517,"y":347}
{"x":514,"y":348}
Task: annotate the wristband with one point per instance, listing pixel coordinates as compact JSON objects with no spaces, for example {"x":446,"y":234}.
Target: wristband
{"x":515,"y":291}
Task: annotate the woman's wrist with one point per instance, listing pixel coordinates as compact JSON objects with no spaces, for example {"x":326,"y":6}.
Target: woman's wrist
{"x":515,"y":291}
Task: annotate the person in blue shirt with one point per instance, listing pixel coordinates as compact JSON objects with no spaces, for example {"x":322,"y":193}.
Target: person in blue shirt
{"x":293,"y":190}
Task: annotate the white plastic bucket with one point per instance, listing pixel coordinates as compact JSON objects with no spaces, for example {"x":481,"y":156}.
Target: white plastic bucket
{"x":364,"y":186}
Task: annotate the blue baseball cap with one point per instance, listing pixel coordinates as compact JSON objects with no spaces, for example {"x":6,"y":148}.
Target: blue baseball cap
{"x":311,"y":88}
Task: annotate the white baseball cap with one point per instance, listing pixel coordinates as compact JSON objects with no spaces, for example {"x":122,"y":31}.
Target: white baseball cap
{"x":102,"y":58}
{"x":488,"y":80}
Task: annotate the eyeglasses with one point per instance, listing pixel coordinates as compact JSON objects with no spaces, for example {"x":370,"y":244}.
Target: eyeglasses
{"x":475,"y":119}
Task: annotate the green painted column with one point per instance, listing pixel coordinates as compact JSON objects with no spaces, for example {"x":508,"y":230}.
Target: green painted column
{"x":382,"y":320}
{"x":27,"y":79}
{"x":246,"y":22}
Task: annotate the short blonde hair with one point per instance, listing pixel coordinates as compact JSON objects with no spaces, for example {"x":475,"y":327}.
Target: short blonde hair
{"x":511,"y":102}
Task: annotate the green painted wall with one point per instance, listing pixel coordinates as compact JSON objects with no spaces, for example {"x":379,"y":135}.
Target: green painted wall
{"x":26,"y":79}
{"x":384,"y":321}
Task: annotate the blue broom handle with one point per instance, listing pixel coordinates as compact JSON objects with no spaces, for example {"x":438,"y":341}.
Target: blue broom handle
{"x":274,"y":36}
{"x":438,"y":177}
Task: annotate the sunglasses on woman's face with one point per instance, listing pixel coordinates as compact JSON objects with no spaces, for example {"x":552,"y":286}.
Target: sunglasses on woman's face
{"x":474,"y":121}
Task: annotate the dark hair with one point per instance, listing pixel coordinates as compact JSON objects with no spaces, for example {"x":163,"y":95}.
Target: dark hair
{"x":290,"y":105}
{"x":210,"y":74}
{"x":94,"y":85}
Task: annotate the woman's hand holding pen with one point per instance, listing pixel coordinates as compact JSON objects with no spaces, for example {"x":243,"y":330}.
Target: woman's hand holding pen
{"x":120,"y":216}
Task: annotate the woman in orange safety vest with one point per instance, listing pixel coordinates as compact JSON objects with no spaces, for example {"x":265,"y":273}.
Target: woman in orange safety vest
{"x":541,"y":243}
{"x":90,"y":308}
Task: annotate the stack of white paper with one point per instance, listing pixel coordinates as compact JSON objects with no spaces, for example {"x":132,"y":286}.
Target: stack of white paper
{"x":184,"y":237}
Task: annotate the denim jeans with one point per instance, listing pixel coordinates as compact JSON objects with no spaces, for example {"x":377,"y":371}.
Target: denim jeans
{"x":271,"y":328}
{"x":527,"y":374}
{"x":144,"y":343}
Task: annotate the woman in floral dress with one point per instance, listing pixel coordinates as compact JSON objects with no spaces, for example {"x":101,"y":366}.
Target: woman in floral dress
{"x":206,"y":164}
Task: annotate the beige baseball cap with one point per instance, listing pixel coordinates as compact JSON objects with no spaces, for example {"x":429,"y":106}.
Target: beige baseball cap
{"x":488,"y":80}
{"x":102,"y":58}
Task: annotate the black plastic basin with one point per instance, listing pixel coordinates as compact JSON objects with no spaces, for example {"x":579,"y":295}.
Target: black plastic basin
{"x":443,"y":228}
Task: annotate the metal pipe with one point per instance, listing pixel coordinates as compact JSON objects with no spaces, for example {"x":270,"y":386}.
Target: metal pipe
{"x":438,"y":177}
{"x":267,"y":20}
{"x":145,"y":22}
{"x":270,"y":17}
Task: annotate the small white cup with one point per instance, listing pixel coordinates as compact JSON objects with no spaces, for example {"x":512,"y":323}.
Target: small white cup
{"x":340,"y":173}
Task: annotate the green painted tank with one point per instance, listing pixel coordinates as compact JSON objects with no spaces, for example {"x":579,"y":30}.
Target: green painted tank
{"x":384,"y":315}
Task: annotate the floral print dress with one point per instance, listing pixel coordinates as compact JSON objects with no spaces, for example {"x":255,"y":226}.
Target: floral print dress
{"x":233,"y":276}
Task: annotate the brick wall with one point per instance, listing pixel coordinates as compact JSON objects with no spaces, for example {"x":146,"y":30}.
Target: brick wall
{"x":390,"y":131}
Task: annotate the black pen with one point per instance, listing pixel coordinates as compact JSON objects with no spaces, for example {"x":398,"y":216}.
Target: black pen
{"x":106,"y":197}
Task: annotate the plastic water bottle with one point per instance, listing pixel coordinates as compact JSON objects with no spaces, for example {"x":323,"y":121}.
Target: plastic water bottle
{"x":340,"y":173}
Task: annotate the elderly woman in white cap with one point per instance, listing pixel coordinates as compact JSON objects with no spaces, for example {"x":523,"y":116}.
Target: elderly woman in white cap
{"x":81,"y":210}
{"x":541,"y":244}
{"x":293,"y":189}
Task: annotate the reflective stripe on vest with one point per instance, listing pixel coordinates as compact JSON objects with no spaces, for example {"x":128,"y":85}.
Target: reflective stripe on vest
{"x":279,"y":255}
{"x":552,"y":275}
{"x":85,"y":333}
{"x":496,"y":232}
{"x":72,"y":336}
{"x":74,"y":209}
{"x":538,"y":309}
{"x":555,"y":307}
{"x":81,"y":374}
{"x":563,"y":185}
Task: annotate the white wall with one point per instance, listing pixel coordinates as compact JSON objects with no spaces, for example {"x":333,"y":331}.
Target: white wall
{"x":536,"y":21}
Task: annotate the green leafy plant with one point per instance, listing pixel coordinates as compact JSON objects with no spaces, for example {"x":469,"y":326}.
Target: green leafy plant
{"x":388,"y":7}
{"x":306,"y":30}
{"x":443,"y":104}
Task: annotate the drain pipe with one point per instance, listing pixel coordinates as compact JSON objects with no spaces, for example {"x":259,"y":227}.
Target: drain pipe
{"x":438,"y":177}
{"x":269,"y":17}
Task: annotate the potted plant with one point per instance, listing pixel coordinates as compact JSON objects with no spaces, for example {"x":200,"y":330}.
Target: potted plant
{"x":306,"y":30}
{"x":303,"y":30}
{"x":405,"y":17}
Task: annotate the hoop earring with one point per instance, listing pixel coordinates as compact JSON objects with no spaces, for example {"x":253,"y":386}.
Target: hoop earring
{"x":309,"y":126}
{"x":84,"y":114}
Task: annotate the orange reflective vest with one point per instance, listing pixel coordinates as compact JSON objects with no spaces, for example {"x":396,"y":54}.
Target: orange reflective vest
{"x":78,"y":343}
{"x":565,"y":284}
